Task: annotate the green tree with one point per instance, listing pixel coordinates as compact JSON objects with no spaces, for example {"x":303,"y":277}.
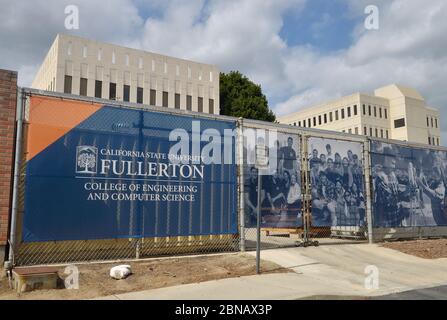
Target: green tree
{"x":240,"y":97}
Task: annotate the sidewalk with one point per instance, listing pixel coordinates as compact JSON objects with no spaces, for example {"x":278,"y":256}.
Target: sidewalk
{"x":332,"y":270}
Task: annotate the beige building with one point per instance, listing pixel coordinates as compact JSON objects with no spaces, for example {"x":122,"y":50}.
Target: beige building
{"x":95,"y":69}
{"x":393,"y":112}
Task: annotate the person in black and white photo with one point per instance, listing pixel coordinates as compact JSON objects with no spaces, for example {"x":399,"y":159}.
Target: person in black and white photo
{"x":409,"y":186}
{"x":281,"y":190}
{"x":337,"y":183}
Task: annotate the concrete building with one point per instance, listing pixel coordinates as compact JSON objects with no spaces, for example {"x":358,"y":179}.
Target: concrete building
{"x":96,"y":69}
{"x":393,"y":112}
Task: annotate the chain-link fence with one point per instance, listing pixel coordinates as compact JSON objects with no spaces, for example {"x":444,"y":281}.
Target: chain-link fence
{"x":318,"y":187}
{"x":101,"y":182}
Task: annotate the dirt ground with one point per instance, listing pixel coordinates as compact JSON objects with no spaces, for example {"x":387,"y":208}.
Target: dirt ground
{"x":428,"y":249}
{"x":94,"y":279}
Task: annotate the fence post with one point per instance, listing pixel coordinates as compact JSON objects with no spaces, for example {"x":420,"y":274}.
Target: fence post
{"x":367,"y":159}
{"x":306,"y":213}
{"x":17,"y":168}
{"x":240,"y":166}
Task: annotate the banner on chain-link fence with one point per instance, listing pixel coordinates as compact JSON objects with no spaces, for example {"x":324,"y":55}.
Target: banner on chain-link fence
{"x":281,"y":193}
{"x":409,"y":186}
{"x":101,"y":172}
{"x":337,"y":180}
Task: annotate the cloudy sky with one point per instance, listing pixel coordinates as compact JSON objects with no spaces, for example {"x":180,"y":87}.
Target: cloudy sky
{"x":301,"y":51}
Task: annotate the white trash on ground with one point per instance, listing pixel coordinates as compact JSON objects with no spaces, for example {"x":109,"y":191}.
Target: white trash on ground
{"x":120,"y":272}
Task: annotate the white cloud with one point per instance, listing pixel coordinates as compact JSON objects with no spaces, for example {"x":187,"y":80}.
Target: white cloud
{"x":409,"y":48}
{"x":233,"y":34}
{"x":27,"y":28}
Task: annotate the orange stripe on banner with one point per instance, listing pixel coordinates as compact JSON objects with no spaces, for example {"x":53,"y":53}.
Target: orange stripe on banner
{"x":52,"y":118}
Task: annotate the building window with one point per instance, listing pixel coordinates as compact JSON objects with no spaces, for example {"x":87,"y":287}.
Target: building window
{"x":140,"y":95}
{"x":83,"y":87}
{"x":380,"y":113}
{"x":309,"y":124}
{"x":336,"y":115}
{"x":126,"y":93}
{"x":428,"y":122}
{"x":355,"y":109}
{"x":315,"y":121}
{"x":200,"y":104}
{"x":399,"y":123}
{"x":432,"y":123}
{"x":211,"y":107}
{"x":342,"y":113}
{"x":377,"y":133}
{"x":369,"y":111}
{"x":438,"y":141}
{"x":365,"y":131}
{"x":325,"y":118}
{"x":375,"y":111}
{"x":381,"y":133}
{"x":386,"y":114}
{"x":299,"y":123}
{"x":189,"y":103}
{"x":349,"y":112}
{"x":387,"y":134}
{"x":330,"y":117}
{"x":319,"y":120}
{"x":153,"y":97}
{"x":356,"y":130}
{"x":370,"y":132}
{"x":429,"y":140}
{"x":436,"y":122}
{"x":98,"y":89}
{"x":68,"y":84}
{"x":165,"y":101}
{"x":112,"y":91}
{"x":364,"y":110}
{"x":177,"y":101}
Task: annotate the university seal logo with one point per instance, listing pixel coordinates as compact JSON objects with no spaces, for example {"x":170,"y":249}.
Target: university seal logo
{"x":86,"y":159}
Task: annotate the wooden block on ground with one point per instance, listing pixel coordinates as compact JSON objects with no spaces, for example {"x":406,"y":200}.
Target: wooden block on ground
{"x":38,"y":278}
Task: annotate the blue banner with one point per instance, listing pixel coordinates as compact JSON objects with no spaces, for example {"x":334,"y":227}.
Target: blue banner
{"x":409,"y":186}
{"x":124,"y":173}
